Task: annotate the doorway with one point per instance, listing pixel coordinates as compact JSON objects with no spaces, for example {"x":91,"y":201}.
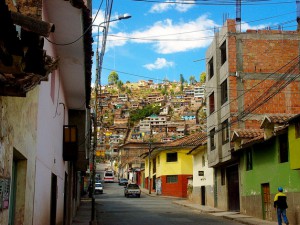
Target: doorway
{"x":53,"y":199}
{"x":202,"y":195}
{"x":266,"y":201}
{"x":17,"y":188}
{"x":233,"y":187}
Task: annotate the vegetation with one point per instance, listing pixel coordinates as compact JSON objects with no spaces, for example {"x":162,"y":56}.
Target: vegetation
{"x":203,"y":77}
{"x":113,"y":77}
{"x":182,"y":80}
{"x":193,"y":80}
{"x":139,"y":114}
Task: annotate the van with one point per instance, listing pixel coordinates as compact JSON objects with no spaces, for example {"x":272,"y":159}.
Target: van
{"x":109,"y":176}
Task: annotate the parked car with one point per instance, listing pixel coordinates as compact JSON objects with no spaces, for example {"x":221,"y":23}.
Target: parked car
{"x":98,"y":188}
{"x":123,"y":181}
{"x":132,"y":190}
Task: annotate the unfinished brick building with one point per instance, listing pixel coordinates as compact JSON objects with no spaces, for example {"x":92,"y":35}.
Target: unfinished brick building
{"x":249,"y":75}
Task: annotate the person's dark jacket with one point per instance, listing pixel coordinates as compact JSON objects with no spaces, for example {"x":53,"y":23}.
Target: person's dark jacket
{"x":280,"y":201}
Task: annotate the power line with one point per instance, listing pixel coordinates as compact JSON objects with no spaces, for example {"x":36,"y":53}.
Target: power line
{"x":155,"y":37}
{"x":84,"y":33}
{"x":216,"y":2}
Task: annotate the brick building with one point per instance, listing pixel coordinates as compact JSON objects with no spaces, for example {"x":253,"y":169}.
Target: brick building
{"x":249,"y":75}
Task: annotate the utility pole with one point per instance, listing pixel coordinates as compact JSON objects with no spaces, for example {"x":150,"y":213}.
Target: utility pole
{"x":149,"y":158}
{"x":99,"y":61}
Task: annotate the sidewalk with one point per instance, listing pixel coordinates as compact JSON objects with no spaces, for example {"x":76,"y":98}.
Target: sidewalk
{"x":236,"y":216}
{"x":83,"y":214}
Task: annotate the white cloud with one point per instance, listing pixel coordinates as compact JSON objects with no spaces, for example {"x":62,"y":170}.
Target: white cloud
{"x":178,"y":5}
{"x":245,"y":26}
{"x":159,"y":64}
{"x":167,"y":37}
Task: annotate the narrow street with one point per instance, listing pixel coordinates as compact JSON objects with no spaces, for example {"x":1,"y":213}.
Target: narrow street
{"x":115,"y":209}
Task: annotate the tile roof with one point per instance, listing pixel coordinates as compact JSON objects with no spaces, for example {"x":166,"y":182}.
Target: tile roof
{"x":247,"y":133}
{"x":192,"y":140}
{"x":253,"y":141}
{"x":276,"y":119}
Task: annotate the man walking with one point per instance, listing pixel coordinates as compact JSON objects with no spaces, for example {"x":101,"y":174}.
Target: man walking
{"x":280,"y":205}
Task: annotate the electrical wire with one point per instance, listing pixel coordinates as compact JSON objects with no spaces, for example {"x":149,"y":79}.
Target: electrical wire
{"x":216,"y":2}
{"x":155,"y":37}
{"x":84,"y":33}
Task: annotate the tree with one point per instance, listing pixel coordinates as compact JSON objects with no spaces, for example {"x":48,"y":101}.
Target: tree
{"x":192,"y":79}
{"x":113,"y":77}
{"x":203,"y":77}
{"x":182,"y":80}
{"x":119,"y":83}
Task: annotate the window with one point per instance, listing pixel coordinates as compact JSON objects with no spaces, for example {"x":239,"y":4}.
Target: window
{"x":211,"y":103}
{"x":172,"y":179}
{"x":283,"y":148}
{"x":172,"y":157}
{"x":212,"y":139}
{"x":224,"y":92}
{"x":297,"y":129}
{"x":225,"y":132}
{"x":223,"y":53}
{"x":203,"y":160}
{"x":211,"y":68}
{"x":249,"y":165}
{"x":154,"y":166}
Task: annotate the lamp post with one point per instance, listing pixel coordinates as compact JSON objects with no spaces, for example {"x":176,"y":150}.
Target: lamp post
{"x":99,"y":61}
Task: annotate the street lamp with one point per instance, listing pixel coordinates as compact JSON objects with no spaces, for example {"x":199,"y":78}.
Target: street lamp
{"x":98,"y":82}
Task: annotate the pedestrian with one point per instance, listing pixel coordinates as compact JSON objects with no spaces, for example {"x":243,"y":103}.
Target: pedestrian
{"x":280,"y":206}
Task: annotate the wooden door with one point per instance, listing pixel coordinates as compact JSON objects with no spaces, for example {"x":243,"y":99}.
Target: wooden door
{"x":266,"y":201}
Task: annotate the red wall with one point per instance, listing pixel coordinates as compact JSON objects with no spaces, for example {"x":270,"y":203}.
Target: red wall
{"x":178,"y":189}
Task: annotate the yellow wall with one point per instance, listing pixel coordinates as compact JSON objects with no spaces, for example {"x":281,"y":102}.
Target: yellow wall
{"x":184,"y":164}
{"x":294,"y":150}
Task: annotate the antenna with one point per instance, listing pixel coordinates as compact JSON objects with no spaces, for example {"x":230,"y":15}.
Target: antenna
{"x":238,"y":15}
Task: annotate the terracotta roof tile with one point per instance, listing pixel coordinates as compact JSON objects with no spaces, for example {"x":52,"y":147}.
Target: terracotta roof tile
{"x":280,"y":118}
{"x":191,"y":141}
{"x":248,"y":133}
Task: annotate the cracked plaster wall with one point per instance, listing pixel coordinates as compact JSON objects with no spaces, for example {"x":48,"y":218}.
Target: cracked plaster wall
{"x":18,"y":131}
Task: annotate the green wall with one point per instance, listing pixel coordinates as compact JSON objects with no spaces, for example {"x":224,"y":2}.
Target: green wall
{"x":267,"y":169}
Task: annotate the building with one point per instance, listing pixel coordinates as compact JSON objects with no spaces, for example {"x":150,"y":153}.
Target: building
{"x":249,"y":74}
{"x":202,"y":185}
{"x":267,"y":159}
{"x":170,"y":166}
{"x":43,"y":117}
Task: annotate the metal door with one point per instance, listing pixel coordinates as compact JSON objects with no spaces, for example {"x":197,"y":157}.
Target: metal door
{"x":233,"y":188}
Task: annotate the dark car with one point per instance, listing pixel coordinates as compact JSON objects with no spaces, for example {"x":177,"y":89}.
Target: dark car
{"x":123,"y":181}
{"x":132,"y":190}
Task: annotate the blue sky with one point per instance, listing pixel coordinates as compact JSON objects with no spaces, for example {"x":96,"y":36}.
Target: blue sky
{"x":164,"y":40}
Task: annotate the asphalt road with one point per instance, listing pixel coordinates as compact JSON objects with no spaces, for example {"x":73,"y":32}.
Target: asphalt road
{"x":113,"y":208}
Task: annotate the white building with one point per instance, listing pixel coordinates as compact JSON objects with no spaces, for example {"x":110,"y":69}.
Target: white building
{"x":41,"y":126}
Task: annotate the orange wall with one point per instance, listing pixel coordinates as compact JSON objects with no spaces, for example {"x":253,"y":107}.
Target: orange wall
{"x":178,"y":189}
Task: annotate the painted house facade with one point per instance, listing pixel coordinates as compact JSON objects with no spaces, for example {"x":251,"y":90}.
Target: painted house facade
{"x":43,"y":116}
{"x":245,"y":80}
{"x":202,"y":185}
{"x":266,"y":163}
{"x":170,"y":166}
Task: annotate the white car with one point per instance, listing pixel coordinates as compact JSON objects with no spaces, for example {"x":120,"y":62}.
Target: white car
{"x":98,"y":188}
{"x":132,"y":190}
